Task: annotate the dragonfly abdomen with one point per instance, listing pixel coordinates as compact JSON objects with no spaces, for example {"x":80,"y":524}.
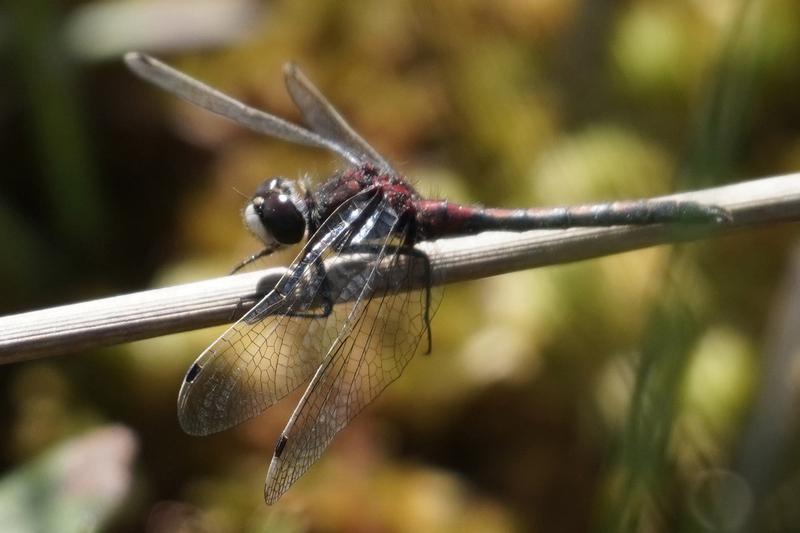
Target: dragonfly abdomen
{"x":437,"y":218}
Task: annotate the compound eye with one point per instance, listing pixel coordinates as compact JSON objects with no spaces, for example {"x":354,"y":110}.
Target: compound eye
{"x":282,"y":218}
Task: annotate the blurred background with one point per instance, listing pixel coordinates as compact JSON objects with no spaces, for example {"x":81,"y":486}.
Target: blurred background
{"x":650,"y":391}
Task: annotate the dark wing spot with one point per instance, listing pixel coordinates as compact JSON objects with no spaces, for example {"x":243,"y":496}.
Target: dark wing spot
{"x":281,"y":444}
{"x":192,"y":373}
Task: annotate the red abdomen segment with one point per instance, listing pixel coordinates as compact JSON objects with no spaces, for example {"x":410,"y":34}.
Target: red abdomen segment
{"x":439,"y":218}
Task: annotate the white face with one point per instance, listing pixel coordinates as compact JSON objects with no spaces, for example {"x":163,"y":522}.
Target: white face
{"x":277,"y":214}
{"x":254,"y":224}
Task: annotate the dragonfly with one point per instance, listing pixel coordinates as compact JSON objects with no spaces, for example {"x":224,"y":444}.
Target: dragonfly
{"x":346,"y":333}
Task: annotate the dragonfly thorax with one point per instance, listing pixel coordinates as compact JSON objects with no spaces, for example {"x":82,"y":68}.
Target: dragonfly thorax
{"x":277,"y":213}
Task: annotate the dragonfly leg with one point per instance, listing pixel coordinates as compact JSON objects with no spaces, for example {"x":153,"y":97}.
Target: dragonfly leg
{"x":237,"y":311}
{"x":426,"y":261}
{"x":324,"y":295}
{"x":255,"y":257}
{"x":266,"y":307}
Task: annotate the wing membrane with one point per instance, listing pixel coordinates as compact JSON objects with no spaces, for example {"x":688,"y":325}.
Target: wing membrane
{"x":200,"y":94}
{"x":279,"y":343}
{"x":325,"y":120}
{"x":380,"y":333}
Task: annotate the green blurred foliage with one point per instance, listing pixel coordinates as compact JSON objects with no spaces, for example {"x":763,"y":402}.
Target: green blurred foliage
{"x":617,"y":394}
{"x":74,"y":488}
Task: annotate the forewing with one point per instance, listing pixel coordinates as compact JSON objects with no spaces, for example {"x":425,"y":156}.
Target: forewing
{"x":323,"y":118}
{"x":383,"y":329}
{"x":202,"y":95}
{"x":279,"y":343}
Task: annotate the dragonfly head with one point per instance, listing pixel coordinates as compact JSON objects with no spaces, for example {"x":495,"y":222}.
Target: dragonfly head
{"x":277,"y":213}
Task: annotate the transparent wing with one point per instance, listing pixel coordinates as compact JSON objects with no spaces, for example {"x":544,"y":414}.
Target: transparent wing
{"x":383,"y":327}
{"x":279,"y":343}
{"x":323,"y":118}
{"x":202,"y":95}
